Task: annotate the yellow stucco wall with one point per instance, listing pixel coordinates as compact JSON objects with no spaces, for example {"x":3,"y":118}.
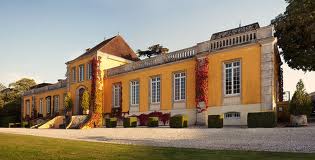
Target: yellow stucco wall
{"x":249,"y":57}
{"x":58,"y":92}
{"x":165,"y":72}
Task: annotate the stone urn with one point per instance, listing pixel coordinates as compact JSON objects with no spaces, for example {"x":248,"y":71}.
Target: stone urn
{"x":298,"y":120}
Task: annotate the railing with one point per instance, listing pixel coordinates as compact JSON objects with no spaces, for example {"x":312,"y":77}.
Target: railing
{"x":160,"y":59}
{"x":60,"y":84}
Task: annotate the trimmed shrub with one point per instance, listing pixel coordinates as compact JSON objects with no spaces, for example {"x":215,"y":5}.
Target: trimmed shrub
{"x":5,"y":120}
{"x":143,"y":119}
{"x":130,"y":122}
{"x":261,"y":120}
{"x":153,"y":122}
{"x":111,"y":122}
{"x":179,"y":121}
{"x":301,"y":103}
{"x":215,"y":121}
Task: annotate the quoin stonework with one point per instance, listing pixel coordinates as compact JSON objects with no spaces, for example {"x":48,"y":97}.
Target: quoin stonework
{"x":235,"y":72}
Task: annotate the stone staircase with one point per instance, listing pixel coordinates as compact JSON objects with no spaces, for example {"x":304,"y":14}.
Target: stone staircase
{"x":53,"y":123}
{"x":76,"y":121}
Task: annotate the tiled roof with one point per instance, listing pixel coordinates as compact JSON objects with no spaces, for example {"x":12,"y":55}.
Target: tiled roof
{"x":116,"y":46}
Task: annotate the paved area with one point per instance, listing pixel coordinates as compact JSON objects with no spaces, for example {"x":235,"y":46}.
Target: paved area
{"x":260,"y":139}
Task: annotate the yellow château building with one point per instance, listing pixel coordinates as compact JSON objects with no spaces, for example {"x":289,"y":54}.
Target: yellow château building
{"x":233,"y":73}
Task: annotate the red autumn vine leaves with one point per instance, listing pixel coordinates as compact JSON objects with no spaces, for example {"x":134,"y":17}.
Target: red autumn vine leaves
{"x":202,"y":83}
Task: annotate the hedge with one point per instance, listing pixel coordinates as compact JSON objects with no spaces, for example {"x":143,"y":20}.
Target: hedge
{"x":153,"y":122}
{"x":5,"y":120}
{"x":111,"y":122}
{"x":261,"y":120}
{"x":130,"y":122}
{"x":215,"y":121}
{"x":179,"y":121}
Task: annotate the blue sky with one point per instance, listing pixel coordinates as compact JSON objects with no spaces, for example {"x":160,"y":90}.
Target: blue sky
{"x":37,"y":37}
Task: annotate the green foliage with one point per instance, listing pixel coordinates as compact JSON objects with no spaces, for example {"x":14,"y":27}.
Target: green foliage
{"x":111,"y":122}
{"x":130,"y":122}
{"x":68,"y":103}
{"x":215,"y":121}
{"x":301,"y":103}
{"x":5,"y":120}
{"x":179,"y":121}
{"x":153,"y":122}
{"x":86,"y":101}
{"x":261,"y":120}
{"x":22,"y":85}
{"x":153,"y":50}
{"x":295,"y":30}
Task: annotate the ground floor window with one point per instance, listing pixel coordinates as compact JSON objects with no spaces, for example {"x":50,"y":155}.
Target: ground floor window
{"x":28,"y":107}
{"x":56,"y":104}
{"x":116,"y":95}
{"x":41,"y":106}
{"x":48,"y":104}
{"x":232,"y":115}
{"x":134,"y":92}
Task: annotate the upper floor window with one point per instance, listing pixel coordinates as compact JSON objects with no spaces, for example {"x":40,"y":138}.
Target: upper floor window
{"x":134,"y":92}
{"x":56,"y":104}
{"x":116,"y":95}
{"x":41,"y":106}
{"x":28,"y":107}
{"x":232,"y":78}
{"x":179,"y":86}
{"x":89,"y":71}
{"x":155,"y":89}
{"x":74,"y":74}
{"x":81,"y":73}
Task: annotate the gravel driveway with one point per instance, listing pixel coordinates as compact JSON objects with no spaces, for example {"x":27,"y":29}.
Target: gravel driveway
{"x":260,"y":139}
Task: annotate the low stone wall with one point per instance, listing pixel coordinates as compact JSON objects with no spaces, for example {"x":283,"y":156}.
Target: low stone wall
{"x":54,"y":123}
{"x":76,"y":121}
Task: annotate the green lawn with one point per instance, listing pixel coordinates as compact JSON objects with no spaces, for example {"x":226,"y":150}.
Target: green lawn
{"x":14,"y":147}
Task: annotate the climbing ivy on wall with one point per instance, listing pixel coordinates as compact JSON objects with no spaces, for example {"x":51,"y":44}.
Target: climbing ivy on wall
{"x":202,"y":83}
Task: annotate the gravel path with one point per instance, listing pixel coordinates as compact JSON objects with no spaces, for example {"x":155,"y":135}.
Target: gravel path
{"x":260,"y":139}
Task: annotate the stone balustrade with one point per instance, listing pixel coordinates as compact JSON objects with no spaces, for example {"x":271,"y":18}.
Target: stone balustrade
{"x":60,"y":84}
{"x":160,"y":59}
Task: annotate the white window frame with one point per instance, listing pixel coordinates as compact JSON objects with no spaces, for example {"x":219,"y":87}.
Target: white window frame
{"x":89,"y":71}
{"x":41,"y":106}
{"x":116,"y":95}
{"x":81,"y":73}
{"x":28,"y":107}
{"x":232,"y":67}
{"x":232,"y":115}
{"x":74,"y":74}
{"x":155,"y":93}
{"x":134,"y":92}
{"x":181,"y":78}
{"x":56,"y":104}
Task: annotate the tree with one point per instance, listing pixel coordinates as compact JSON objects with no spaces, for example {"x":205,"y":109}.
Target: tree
{"x":85,"y":101}
{"x":153,"y":50}
{"x":22,"y":85}
{"x":295,"y":30}
{"x":2,"y":87}
{"x":68,"y":103}
{"x":301,"y":103}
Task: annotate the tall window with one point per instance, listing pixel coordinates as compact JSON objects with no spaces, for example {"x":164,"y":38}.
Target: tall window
{"x":81,"y":73}
{"x":48,"y":104}
{"x":74,"y":74}
{"x":116,"y":95}
{"x":89,"y":71}
{"x":179,"y":86}
{"x":28,"y":107}
{"x":155,"y":89}
{"x":56,"y":104}
{"x":134,"y":92}
{"x":232,"y":78}
{"x":41,"y":106}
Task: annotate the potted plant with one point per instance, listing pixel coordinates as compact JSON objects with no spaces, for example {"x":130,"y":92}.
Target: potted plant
{"x":68,"y":104}
{"x":85,"y":102}
{"x":300,"y":106}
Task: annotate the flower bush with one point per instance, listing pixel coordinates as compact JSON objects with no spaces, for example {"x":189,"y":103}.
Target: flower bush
{"x":301,"y":103}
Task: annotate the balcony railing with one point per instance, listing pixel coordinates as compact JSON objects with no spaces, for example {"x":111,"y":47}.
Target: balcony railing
{"x":160,"y":59}
{"x":60,"y":84}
